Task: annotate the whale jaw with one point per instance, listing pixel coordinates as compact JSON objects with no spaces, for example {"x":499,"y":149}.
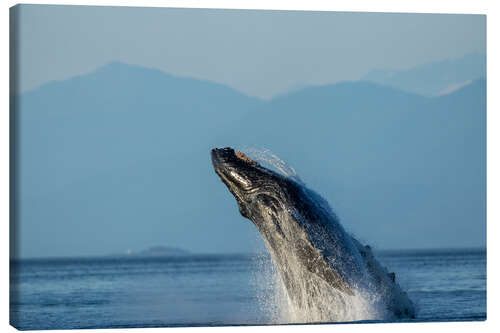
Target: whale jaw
{"x":236,"y":173}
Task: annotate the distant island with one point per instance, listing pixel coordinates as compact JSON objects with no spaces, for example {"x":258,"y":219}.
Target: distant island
{"x":155,"y":251}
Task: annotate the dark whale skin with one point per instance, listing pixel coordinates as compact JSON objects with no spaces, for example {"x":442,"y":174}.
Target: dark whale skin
{"x":305,"y":238}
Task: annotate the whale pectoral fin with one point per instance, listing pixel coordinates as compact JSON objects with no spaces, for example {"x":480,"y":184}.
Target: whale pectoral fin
{"x":316,"y":264}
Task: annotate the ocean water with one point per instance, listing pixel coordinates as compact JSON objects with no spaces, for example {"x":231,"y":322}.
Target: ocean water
{"x":208,"y":290}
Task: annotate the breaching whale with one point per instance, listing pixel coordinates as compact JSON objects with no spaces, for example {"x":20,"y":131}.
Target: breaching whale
{"x":326,"y":272}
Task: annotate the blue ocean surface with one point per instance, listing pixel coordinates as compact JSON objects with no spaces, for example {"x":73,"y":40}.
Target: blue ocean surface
{"x":208,"y":290}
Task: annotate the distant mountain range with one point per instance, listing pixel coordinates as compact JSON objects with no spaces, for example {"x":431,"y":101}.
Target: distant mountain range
{"x":120,"y":158}
{"x":433,"y":79}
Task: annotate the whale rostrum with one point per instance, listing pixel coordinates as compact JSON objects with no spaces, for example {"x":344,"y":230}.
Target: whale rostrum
{"x":324,"y":269}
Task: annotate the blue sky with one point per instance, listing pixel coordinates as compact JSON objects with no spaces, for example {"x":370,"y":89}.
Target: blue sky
{"x":261,"y":53}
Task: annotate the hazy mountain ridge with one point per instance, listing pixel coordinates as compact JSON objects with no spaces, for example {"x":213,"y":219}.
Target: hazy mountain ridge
{"x":433,"y":79}
{"x":126,"y":146}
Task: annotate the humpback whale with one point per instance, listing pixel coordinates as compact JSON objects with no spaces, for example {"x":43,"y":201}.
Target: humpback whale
{"x":326,"y":272}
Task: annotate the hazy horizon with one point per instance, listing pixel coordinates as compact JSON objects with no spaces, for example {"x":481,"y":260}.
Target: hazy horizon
{"x":257,"y":251}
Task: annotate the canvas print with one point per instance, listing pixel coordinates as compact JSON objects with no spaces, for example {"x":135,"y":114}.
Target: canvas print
{"x":209,"y":167}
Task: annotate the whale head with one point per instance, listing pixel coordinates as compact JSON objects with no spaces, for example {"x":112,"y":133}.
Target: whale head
{"x":252,"y":185}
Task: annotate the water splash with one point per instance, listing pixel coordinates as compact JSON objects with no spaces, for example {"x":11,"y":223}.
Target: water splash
{"x":270,"y":291}
{"x":278,"y":308}
{"x":330,"y":304}
{"x":269,"y":160}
